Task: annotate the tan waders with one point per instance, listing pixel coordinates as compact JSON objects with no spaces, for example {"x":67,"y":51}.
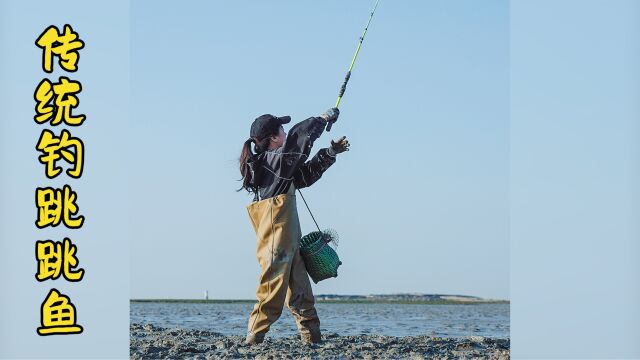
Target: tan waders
{"x":283,"y":277}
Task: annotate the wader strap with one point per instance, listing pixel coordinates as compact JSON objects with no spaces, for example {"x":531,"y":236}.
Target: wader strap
{"x":256,"y":191}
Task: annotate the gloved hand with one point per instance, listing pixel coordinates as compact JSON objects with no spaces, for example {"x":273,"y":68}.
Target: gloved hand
{"x":339,"y":146}
{"x":331,"y":115}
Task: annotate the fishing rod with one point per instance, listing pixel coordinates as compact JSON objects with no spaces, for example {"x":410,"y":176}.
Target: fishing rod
{"x":346,"y":78}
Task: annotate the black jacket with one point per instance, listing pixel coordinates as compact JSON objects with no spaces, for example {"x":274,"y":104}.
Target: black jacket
{"x":275,"y":170}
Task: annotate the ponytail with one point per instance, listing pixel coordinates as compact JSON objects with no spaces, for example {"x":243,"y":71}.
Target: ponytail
{"x":249,"y":169}
{"x":245,"y":170}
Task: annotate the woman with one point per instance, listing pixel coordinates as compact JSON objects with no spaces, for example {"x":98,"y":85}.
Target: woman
{"x":278,"y":168}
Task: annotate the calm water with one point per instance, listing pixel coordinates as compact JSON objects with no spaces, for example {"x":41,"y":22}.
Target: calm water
{"x":491,"y":320}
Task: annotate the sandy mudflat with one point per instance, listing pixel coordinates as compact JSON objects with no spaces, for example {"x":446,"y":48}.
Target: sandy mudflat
{"x":152,"y":342}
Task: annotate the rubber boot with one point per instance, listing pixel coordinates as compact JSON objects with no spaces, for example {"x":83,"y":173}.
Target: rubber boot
{"x":311,"y":337}
{"x":253,"y":339}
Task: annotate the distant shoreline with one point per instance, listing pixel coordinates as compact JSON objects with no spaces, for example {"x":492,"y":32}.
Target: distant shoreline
{"x":326,"y":301}
{"x":402,"y":298}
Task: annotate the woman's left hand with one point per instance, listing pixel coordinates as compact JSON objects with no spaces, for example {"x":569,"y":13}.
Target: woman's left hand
{"x":340,"y":145}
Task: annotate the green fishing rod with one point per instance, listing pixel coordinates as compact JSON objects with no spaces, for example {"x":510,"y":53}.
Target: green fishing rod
{"x":346,"y":78}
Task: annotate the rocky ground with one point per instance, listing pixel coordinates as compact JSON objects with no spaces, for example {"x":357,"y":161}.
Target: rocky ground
{"x":152,"y":342}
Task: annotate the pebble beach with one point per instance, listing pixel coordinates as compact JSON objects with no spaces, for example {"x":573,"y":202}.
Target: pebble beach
{"x":154,"y":342}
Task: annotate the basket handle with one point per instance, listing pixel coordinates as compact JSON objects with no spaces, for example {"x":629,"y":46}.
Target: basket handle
{"x":324,"y":243}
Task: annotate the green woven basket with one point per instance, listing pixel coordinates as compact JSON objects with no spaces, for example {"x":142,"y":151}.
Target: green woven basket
{"x":320,"y":259}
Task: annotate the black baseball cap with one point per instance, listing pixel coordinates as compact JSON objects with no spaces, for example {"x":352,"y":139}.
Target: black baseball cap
{"x":265,"y":125}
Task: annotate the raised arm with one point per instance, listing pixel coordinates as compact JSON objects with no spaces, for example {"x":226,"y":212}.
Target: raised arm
{"x":303,"y":134}
{"x":312,"y":170}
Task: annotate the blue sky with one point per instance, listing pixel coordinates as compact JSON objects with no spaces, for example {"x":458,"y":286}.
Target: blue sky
{"x":420,"y":201}
{"x":438,"y":179}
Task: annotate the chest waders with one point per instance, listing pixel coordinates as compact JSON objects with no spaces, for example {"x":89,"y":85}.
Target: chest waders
{"x":283,"y":278}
